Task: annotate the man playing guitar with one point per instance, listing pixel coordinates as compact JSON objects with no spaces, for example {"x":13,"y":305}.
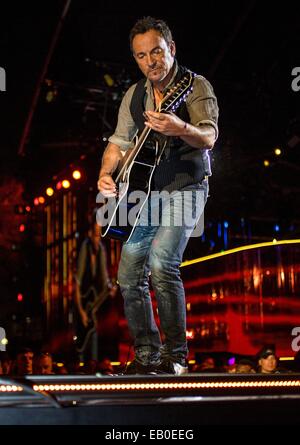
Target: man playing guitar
{"x":92,"y":289}
{"x":181,"y":171}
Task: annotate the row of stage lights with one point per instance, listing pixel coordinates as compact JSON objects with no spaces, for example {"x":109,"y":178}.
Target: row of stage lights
{"x":60,"y":185}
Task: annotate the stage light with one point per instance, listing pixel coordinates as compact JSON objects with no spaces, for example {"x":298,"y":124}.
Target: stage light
{"x":22,"y":209}
{"x":167,"y":385}
{"x":277,"y":151}
{"x":10,"y":388}
{"x":20,"y":297}
{"x":276,"y":228}
{"x":190,"y":334}
{"x":22,"y":228}
{"x":266,"y":163}
{"x":4,"y":341}
{"x":41,"y":200}
{"x":36,"y":201}
{"x":76,"y":174}
{"x":239,"y":249}
{"x":65,"y":183}
{"x":59,"y":185}
{"x":283,"y":359}
{"x":225,"y":236}
{"x":51,"y":95}
{"x":231,"y":361}
{"x":108,"y":80}
{"x":49,"y":191}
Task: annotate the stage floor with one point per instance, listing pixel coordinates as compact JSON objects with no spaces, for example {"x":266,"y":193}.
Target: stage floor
{"x":192,"y":399}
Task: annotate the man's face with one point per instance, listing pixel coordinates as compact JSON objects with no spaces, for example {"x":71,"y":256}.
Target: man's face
{"x":24,"y":362}
{"x":45,"y":365}
{"x":243,"y":368}
{"x":268,"y":364}
{"x":153,"y":55}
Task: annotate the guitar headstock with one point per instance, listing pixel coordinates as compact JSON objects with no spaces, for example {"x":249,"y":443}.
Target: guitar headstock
{"x":178,"y":93}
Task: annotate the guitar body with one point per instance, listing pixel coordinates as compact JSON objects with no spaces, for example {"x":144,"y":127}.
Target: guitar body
{"x":134,"y":190}
{"x":91,"y":302}
{"x":118,"y":215}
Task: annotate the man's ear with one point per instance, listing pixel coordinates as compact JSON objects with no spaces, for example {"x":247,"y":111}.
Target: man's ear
{"x":173,"y":48}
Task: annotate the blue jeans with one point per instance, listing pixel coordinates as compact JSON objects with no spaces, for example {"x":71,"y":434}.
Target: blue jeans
{"x":155,"y":251}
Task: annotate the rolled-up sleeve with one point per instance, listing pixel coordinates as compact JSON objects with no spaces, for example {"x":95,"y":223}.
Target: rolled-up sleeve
{"x":126,"y":128}
{"x":202,"y":104}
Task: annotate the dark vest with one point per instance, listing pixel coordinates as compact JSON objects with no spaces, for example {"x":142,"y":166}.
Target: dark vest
{"x":180,"y":165}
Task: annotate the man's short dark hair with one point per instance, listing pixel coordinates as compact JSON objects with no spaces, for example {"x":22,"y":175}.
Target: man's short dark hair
{"x":24,"y":350}
{"x":146,"y":24}
{"x":266,"y":351}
